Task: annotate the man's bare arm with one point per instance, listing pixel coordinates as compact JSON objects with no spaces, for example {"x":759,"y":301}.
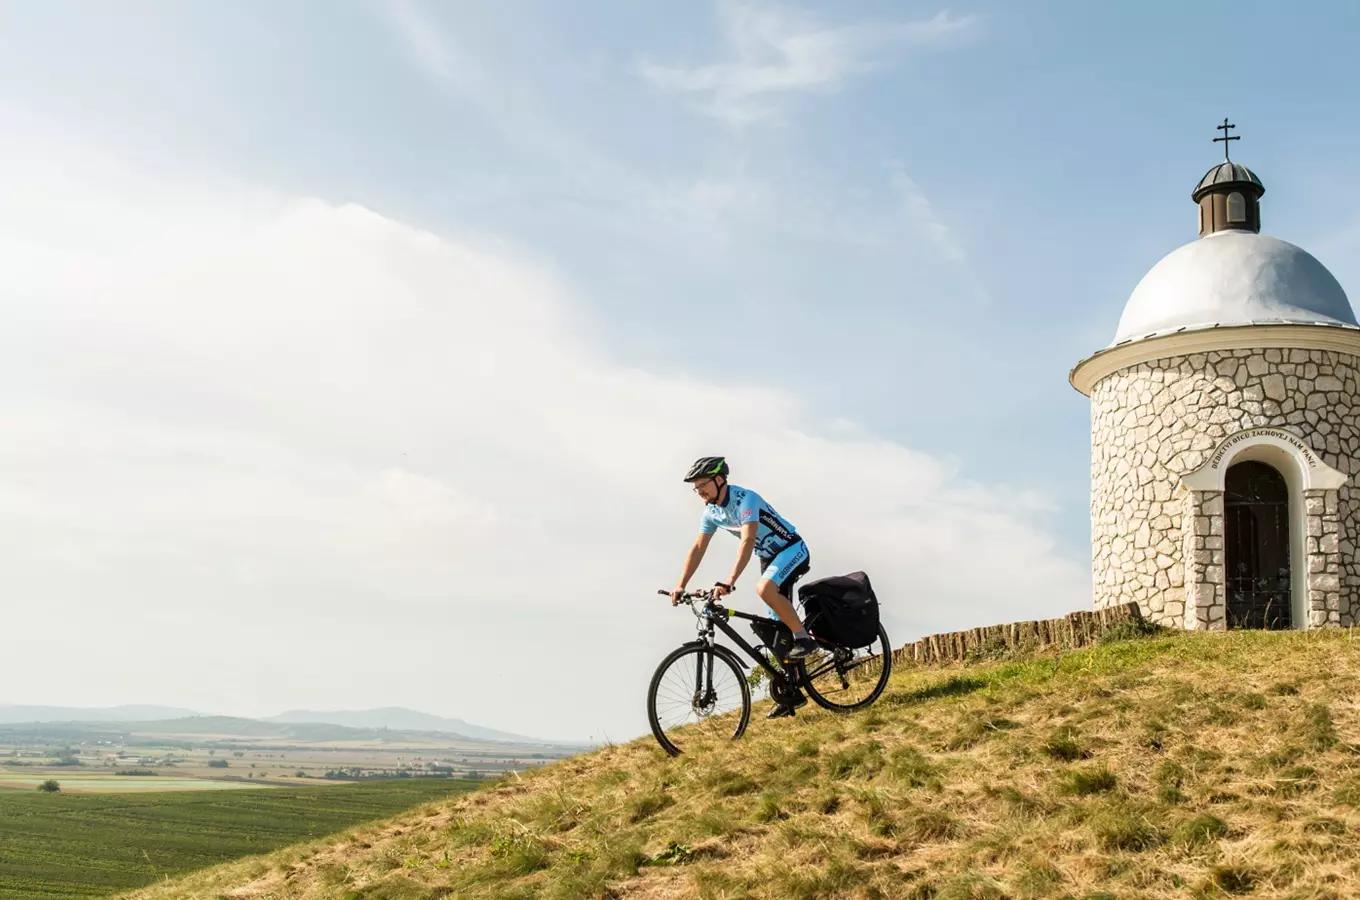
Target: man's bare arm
{"x":748,"y":546}
{"x":692,"y":560}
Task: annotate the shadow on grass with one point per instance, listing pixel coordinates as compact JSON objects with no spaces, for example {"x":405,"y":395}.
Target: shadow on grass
{"x":956,"y":686}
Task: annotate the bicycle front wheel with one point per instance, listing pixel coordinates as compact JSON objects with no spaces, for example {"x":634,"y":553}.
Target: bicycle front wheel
{"x":698,"y":695}
{"x":842,"y":680}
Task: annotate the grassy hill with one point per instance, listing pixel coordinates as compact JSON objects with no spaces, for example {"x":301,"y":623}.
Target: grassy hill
{"x":1187,"y":765}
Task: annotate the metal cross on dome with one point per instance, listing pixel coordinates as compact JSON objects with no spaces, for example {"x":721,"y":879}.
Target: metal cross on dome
{"x":1224,"y":128}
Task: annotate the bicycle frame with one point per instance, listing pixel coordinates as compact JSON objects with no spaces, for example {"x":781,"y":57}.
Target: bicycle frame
{"x":718,"y":616}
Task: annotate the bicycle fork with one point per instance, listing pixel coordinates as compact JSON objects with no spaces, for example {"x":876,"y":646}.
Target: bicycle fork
{"x":704,"y":694}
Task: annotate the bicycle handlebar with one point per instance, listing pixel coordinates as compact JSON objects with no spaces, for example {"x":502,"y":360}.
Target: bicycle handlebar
{"x":691,"y":596}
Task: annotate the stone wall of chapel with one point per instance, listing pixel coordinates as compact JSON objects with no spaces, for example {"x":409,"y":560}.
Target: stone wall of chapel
{"x":1153,"y":422}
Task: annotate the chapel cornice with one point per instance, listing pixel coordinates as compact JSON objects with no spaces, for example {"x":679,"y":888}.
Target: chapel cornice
{"x":1088,"y":373}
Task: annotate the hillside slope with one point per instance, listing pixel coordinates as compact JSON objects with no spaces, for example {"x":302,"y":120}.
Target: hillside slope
{"x":1190,"y":765}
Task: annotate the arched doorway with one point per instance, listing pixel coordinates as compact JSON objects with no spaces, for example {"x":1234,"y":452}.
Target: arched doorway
{"x":1256,"y":545}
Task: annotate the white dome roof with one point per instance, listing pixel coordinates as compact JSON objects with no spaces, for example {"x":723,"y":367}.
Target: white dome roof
{"x":1233,"y":278}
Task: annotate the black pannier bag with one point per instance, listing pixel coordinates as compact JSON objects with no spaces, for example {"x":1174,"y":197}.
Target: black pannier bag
{"x":841,"y":609}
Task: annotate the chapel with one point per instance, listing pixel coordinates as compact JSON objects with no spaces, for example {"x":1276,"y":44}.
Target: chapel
{"x":1225,"y":430}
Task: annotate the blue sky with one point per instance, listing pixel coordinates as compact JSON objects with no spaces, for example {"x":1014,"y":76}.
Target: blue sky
{"x":833,"y":230}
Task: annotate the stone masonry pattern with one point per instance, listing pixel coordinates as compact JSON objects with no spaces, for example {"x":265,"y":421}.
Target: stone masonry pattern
{"x":1154,"y":422}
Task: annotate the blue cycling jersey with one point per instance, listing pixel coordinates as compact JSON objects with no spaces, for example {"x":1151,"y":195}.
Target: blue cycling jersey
{"x":774,"y":534}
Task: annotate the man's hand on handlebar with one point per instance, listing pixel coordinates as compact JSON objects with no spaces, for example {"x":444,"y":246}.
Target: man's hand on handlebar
{"x":680,"y":595}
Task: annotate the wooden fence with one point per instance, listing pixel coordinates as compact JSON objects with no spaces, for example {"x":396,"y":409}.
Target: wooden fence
{"x":1076,"y":629}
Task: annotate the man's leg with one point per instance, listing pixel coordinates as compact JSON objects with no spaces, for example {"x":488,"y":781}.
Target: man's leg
{"x":776,"y":584}
{"x":773,"y":588}
{"x":782,"y":606}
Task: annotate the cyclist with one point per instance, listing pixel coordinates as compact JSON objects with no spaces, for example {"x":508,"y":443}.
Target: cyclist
{"x":783,"y":556}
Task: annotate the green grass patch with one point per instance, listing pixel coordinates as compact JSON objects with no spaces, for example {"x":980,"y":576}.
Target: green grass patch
{"x":1316,"y":731}
{"x":1118,"y":827}
{"x":1347,"y":793}
{"x":644,"y":806}
{"x":910,"y":767}
{"x":1295,"y":780}
{"x":1200,"y":830}
{"x":974,"y":731}
{"x":1233,"y":879}
{"x":732,"y":784}
{"x":1130,"y":630}
{"x":861,"y":760}
{"x":933,"y":825}
{"x":91,"y":845}
{"x":1086,"y":781}
{"x":1062,"y":745}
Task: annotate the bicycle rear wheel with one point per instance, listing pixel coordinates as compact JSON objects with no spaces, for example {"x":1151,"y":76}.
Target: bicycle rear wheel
{"x":698,"y":694}
{"x":842,"y":680}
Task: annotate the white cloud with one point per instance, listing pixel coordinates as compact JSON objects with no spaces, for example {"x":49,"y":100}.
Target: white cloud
{"x":779,"y":51}
{"x":426,"y":42}
{"x":734,"y":197}
{"x":262,"y":453}
{"x":923,"y":215}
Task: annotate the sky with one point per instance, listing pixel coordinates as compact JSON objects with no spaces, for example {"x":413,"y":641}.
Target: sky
{"x":352,"y":352}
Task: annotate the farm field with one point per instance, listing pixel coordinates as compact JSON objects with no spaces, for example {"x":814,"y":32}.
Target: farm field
{"x":240,"y":765}
{"x":108,"y":783}
{"x":216,"y":751}
{"x":91,"y":845}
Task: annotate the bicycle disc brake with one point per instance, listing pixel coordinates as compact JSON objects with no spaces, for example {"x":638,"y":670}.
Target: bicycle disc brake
{"x":704,"y":701}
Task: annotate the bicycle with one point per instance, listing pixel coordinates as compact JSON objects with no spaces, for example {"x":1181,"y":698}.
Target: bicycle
{"x":711,"y":660}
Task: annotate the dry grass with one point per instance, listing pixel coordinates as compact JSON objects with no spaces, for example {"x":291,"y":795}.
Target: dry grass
{"x":1189,"y":765}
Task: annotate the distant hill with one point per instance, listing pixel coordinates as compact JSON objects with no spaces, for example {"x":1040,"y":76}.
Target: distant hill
{"x":11,"y":713}
{"x":230,"y":727}
{"x":169,"y":719}
{"x":396,"y":718}
{"x":253,"y":728}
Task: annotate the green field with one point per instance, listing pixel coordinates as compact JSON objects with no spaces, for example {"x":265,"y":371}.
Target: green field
{"x":92,"y":845}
